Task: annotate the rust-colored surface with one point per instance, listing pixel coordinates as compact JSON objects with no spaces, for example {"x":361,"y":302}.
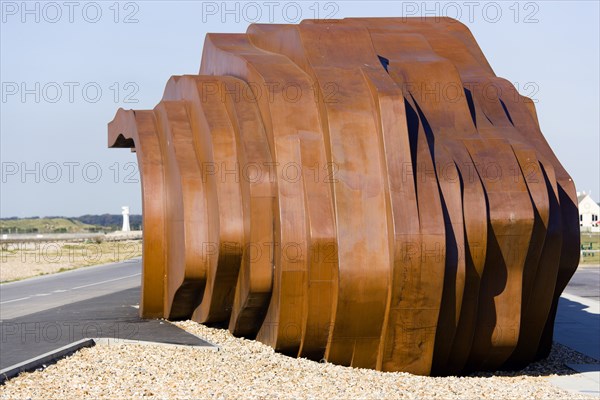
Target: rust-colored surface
{"x":362,"y":190}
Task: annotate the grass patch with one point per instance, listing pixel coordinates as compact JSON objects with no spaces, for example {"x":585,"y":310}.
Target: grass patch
{"x":45,"y":225}
{"x":590,"y":241}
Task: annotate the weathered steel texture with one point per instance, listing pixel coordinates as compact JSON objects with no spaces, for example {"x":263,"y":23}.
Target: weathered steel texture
{"x":362,"y":190}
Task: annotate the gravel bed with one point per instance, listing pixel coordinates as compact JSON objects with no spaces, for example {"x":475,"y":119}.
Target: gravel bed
{"x":248,"y":369}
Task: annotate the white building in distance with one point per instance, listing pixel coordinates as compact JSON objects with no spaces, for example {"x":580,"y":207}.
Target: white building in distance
{"x":125,"y":213}
{"x":589,"y":213}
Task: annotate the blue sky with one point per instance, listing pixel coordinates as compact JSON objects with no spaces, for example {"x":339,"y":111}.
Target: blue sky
{"x":66,"y":67}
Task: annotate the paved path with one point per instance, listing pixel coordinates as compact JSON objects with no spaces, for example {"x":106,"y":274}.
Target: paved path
{"x":577,"y":322}
{"x":586,"y":282}
{"x":42,"y":314}
{"x":577,"y":326}
{"x":41,"y":293}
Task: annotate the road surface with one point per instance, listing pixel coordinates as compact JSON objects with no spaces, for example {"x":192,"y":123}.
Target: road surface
{"x":42,"y":314}
{"x":29,"y":296}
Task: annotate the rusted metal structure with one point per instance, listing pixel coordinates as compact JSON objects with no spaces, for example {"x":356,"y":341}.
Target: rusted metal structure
{"x":364,"y":190}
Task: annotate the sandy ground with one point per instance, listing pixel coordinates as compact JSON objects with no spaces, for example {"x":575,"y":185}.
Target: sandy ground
{"x":24,"y":260}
